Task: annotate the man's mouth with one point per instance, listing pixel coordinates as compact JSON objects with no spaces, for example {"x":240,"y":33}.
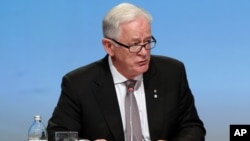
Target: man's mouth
{"x":142,"y":63}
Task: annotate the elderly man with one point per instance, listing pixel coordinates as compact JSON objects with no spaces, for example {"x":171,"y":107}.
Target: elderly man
{"x":129,"y":95}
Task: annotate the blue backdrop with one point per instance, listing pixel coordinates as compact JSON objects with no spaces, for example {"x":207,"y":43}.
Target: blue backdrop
{"x":41,"y":40}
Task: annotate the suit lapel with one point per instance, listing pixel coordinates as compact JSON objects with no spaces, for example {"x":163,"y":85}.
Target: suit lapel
{"x":154,"y":102}
{"x":106,"y":97}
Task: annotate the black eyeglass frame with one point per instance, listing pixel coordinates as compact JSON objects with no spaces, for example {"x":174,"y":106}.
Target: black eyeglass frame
{"x":128,"y":47}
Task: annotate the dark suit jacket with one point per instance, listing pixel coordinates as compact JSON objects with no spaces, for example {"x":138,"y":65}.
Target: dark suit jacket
{"x":88,"y":103}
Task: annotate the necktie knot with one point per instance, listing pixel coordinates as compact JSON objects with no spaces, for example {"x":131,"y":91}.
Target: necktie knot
{"x":130,"y":85}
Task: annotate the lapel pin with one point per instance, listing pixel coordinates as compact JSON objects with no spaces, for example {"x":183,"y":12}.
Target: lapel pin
{"x":155,"y":93}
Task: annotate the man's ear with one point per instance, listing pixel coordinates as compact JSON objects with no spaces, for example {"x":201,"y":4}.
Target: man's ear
{"x":108,"y":46}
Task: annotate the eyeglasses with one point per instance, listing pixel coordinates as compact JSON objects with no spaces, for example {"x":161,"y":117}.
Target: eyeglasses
{"x":137,"y":48}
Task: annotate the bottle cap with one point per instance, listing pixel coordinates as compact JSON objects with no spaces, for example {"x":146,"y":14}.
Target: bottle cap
{"x":37,"y":117}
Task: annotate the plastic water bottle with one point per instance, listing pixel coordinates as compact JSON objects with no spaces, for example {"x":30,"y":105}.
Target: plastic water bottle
{"x":37,"y":131}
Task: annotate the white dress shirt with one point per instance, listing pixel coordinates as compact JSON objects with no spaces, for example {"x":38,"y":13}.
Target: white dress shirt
{"x":139,"y":93}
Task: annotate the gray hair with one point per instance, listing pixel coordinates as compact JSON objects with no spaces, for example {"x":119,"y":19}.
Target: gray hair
{"x":124,"y":12}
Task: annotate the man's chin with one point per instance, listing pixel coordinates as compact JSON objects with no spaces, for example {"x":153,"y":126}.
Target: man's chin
{"x":143,"y":69}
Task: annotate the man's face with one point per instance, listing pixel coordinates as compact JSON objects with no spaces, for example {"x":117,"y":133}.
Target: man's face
{"x":132,"y":33}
